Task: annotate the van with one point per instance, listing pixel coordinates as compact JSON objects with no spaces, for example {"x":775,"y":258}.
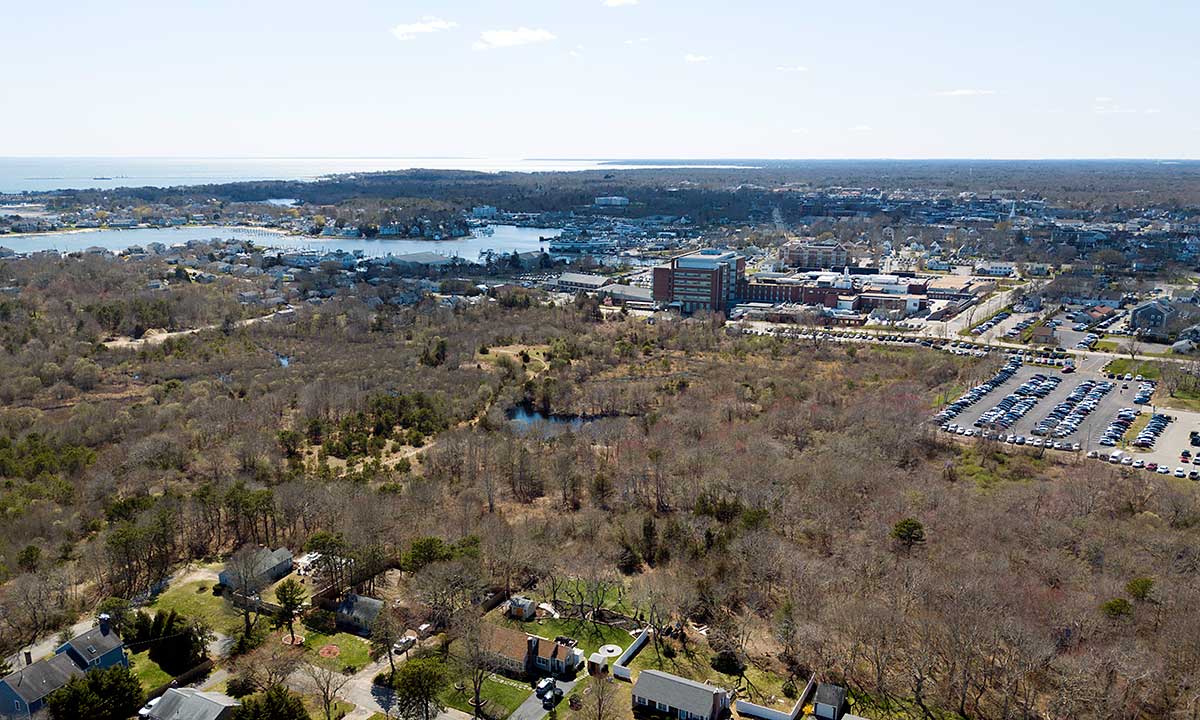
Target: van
{"x":1115,"y":457}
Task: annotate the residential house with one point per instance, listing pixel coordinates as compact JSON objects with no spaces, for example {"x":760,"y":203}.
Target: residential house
{"x":521,"y":654}
{"x":1042,"y":335}
{"x":100,"y":647}
{"x":657,"y":692}
{"x":23,"y":693}
{"x":508,"y":648}
{"x":269,"y":566}
{"x":829,"y":702}
{"x":555,"y":658}
{"x":191,"y":704}
{"x":357,"y":613}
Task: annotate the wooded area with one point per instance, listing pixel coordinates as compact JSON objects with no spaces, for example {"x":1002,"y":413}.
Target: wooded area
{"x":788,"y":495}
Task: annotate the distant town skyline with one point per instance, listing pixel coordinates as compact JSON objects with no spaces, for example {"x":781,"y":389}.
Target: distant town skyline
{"x":602,"y":79}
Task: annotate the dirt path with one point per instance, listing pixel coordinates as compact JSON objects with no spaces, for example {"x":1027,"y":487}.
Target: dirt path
{"x":158,"y":336}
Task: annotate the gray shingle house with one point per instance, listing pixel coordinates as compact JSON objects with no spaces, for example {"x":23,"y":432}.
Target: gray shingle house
{"x":357,"y":613}
{"x":662,"y":693}
{"x":269,"y":566}
{"x":191,"y":704}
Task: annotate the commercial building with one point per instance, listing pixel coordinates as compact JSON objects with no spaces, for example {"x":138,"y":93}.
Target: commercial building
{"x":570,"y":281}
{"x":707,"y":280}
{"x":612,"y":201}
{"x":812,"y":254}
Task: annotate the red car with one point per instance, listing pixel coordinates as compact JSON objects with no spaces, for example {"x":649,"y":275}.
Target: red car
{"x":1151,"y":466}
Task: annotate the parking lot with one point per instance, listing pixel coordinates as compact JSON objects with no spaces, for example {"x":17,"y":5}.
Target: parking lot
{"x":1091,"y":427}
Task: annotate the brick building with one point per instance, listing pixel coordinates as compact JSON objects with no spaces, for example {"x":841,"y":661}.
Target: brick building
{"x":707,"y":280}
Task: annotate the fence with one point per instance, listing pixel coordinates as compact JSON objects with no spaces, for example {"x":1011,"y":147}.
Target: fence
{"x":183,"y":679}
{"x":746,"y":707}
{"x":619,"y":668}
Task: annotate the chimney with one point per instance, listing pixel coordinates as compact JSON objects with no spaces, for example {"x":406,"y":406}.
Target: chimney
{"x":28,"y":657}
{"x":104,"y":623}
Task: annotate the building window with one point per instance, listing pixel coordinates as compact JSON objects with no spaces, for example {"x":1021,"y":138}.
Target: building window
{"x":662,"y":706}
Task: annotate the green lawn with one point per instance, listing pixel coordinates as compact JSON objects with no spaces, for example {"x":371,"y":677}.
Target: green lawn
{"x":1183,"y":398}
{"x":1146,"y":369}
{"x":341,"y":708}
{"x":355,"y":652}
{"x":1139,"y":423}
{"x":148,"y":673}
{"x":590,"y":636}
{"x":195,"y":600}
{"x":501,"y":696}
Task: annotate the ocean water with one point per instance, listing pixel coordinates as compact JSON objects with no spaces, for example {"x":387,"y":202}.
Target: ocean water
{"x":38,"y":174}
{"x":505,"y":239}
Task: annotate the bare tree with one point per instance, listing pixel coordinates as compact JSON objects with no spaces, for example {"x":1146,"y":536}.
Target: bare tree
{"x":602,"y":702}
{"x":326,"y":684}
{"x":386,"y":632}
{"x":470,"y":652}
{"x":246,"y":578}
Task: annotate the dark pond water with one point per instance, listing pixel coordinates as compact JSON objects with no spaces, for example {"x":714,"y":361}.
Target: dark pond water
{"x":526,"y":418}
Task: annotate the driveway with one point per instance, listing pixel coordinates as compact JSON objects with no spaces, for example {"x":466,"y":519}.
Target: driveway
{"x":368,"y":697}
{"x":532,"y":708}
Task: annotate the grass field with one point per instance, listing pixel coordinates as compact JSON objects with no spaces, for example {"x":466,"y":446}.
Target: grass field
{"x":1139,"y":423}
{"x":1146,"y":369}
{"x":590,"y":636}
{"x":1183,"y":399}
{"x":195,"y":600}
{"x":341,"y":708}
{"x":148,"y":673}
{"x":501,"y":696}
{"x":355,"y":652}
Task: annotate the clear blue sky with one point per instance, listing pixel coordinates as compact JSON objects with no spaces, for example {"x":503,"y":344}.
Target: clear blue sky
{"x":602,"y":78}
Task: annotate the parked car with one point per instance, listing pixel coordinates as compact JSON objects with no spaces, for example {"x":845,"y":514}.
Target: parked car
{"x":148,"y":707}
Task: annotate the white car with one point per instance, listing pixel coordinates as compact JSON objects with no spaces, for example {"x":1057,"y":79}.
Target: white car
{"x":145,"y":711}
{"x":1180,"y":472}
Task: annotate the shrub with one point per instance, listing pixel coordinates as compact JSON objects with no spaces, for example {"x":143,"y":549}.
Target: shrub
{"x":1117,"y":608}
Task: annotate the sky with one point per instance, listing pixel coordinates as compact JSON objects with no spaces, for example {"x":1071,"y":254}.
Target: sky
{"x":601,"y":79}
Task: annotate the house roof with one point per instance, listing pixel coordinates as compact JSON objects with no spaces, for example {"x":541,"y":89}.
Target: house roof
{"x":190,"y":704}
{"x":834,"y":695}
{"x":549,"y":649}
{"x":505,"y":642}
{"x":265,"y":560}
{"x":677,"y":692}
{"x":95,"y":642}
{"x":362,"y":608}
{"x":36,"y":681}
